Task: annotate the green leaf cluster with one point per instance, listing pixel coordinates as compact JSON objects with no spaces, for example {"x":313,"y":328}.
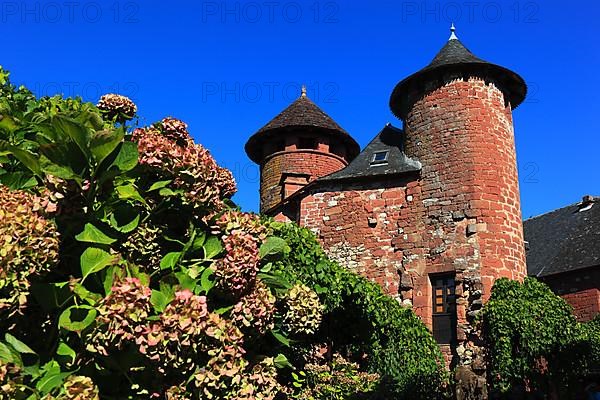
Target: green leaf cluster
{"x":362,"y":320}
{"x":534,"y":342}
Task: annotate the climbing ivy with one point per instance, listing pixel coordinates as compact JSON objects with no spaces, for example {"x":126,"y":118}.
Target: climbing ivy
{"x":362,"y":320}
{"x":534,"y":342}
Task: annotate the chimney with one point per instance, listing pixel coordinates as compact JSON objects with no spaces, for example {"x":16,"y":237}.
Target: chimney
{"x":587,"y":202}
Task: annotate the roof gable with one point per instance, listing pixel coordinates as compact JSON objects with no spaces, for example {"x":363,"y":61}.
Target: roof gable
{"x":389,"y":140}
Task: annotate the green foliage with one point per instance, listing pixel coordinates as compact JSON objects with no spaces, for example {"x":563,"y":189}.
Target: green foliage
{"x":110,"y":272}
{"x":338,"y":380}
{"x":534,"y":342}
{"x":118,"y":317}
{"x":588,"y":347}
{"x":126,"y":273}
{"x":361,"y":320}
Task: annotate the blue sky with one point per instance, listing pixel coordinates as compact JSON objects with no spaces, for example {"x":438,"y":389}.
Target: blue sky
{"x":228,"y":67}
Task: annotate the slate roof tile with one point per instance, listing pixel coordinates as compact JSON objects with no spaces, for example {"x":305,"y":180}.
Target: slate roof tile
{"x":389,"y":140}
{"x":564,"y":240}
{"x":455,"y":57}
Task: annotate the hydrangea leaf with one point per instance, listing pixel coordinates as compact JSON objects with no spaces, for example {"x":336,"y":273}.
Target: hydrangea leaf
{"x":273,"y":246}
{"x":212,"y":247}
{"x":129,"y":192}
{"x":281,"y":338}
{"x":160,"y":300}
{"x":104,"y":142}
{"x":91,"y":234}
{"x":94,"y":259}
{"x":18,"y":180}
{"x":9,"y":355}
{"x":124,"y":219}
{"x":66,"y":351}
{"x":27,"y":158}
{"x":74,"y":130}
{"x":77,"y":318}
{"x":170,"y":260}
{"x":159,"y":185}
{"x":205,"y":280}
{"x":281,"y":361}
{"x":19,"y":346}
{"x":127,"y":157}
{"x":52,"y":377}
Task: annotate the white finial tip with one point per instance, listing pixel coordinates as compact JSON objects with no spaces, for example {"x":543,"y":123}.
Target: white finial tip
{"x":452,"y":34}
{"x":303,"y":91}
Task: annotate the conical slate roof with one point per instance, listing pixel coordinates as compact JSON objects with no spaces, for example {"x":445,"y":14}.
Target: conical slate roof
{"x":455,"y":57}
{"x":302,"y":113}
{"x":453,"y":52}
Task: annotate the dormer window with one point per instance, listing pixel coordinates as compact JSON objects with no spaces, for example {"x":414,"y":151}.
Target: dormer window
{"x":379,"y":158}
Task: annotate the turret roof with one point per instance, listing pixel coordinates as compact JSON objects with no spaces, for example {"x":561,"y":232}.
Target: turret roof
{"x":455,"y":57}
{"x":302,"y":113}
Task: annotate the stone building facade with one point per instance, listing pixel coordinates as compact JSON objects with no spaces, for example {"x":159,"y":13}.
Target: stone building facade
{"x":430,"y":211}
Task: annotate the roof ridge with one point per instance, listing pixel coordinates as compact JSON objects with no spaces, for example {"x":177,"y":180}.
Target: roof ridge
{"x":556,"y":210}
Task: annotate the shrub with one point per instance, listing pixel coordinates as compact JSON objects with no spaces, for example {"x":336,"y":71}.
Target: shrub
{"x":534,"y":342}
{"x":126,"y":272}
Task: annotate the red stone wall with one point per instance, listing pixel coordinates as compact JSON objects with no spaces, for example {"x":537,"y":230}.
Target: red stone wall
{"x":581,"y":289}
{"x":379,"y":229}
{"x":357,"y":225}
{"x":461,"y":215}
{"x":314,"y":163}
{"x":462,"y":133}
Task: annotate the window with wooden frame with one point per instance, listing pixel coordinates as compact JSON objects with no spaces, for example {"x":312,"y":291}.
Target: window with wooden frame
{"x":444,"y":308}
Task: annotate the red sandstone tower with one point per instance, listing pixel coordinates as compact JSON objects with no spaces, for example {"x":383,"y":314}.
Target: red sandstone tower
{"x":299,"y":145}
{"x":457,"y":114}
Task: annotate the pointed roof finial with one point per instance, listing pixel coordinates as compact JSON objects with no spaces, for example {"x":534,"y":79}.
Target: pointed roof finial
{"x":452,"y":34}
{"x":303,"y":91}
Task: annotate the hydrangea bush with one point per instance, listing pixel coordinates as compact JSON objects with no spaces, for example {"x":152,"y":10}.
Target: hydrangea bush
{"x":127,"y":272}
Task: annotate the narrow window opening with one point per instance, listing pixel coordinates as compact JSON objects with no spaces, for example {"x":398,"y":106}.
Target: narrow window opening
{"x":278,"y":146}
{"x":307,"y":143}
{"x":444,"y":308}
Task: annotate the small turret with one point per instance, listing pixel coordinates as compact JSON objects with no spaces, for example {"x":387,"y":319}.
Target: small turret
{"x":299,"y":145}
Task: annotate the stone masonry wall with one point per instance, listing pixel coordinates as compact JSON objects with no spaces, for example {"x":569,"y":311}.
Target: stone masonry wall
{"x":581,"y":289}
{"x":357,"y":225}
{"x":462,"y":133}
{"x":461,"y":215}
{"x":314,"y":163}
{"x":378,"y":229}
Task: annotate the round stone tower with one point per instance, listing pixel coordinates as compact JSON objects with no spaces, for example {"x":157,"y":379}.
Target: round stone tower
{"x":457,"y":114}
{"x":299,"y":145}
